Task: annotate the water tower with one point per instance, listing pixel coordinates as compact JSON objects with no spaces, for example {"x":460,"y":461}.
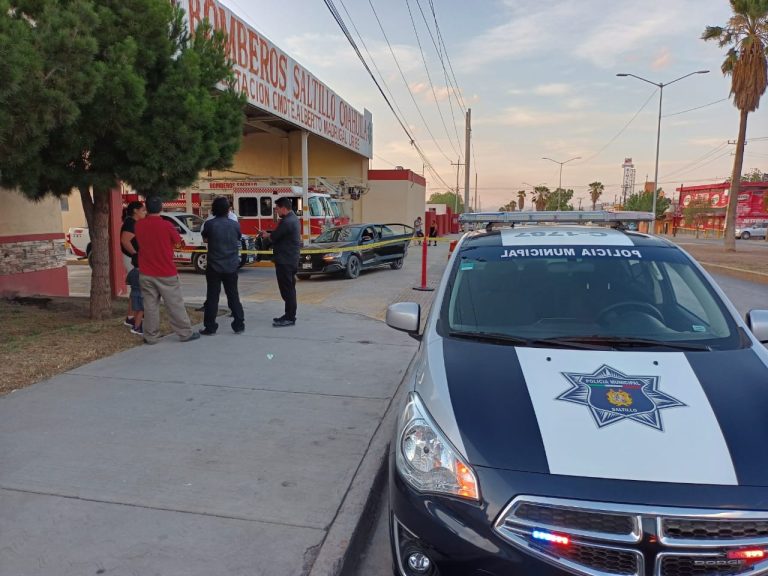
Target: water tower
{"x":628,"y":181}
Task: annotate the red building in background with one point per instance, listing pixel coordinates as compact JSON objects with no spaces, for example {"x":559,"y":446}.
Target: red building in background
{"x":751,"y":208}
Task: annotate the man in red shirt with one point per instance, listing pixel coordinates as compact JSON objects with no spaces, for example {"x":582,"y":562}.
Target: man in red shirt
{"x":158,"y":277}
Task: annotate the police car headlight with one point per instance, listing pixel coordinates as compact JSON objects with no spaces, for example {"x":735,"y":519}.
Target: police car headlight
{"x":427,"y":460}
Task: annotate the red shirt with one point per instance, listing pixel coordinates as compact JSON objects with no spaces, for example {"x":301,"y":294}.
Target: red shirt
{"x":156,"y":238}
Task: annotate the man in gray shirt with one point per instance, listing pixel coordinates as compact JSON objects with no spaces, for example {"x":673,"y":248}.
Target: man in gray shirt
{"x":286,"y":243}
{"x":223,"y":237}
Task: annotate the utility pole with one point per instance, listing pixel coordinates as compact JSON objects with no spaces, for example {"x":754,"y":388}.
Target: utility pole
{"x":456,"y":203}
{"x":466,"y":158}
{"x":476,"y":209}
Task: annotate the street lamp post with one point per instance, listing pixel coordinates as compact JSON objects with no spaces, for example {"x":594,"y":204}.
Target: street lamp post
{"x":660,"y":86}
{"x":560,"y":184}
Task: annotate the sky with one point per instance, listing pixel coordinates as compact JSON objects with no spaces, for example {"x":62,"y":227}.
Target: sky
{"x":540,"y":79}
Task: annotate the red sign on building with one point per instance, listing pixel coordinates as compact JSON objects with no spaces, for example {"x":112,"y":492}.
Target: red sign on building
{"x":750,"y":208}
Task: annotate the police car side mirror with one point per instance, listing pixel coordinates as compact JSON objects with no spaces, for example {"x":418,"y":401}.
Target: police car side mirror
{"x":757,"y":320}
{"x":405,"y":316}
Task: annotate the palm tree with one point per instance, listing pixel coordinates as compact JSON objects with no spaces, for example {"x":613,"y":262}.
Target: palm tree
{"x":508,"y":207}
{"x":595,"y":191}
{"x":540,"y":196}
{"x":746,"y":62}
{"x":521,"y":199}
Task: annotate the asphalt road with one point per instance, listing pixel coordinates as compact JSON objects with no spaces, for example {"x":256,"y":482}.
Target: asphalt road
{"x":376,"y":558}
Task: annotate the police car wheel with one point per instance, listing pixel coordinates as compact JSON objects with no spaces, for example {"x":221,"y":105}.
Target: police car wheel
{"x":353,"y":267}
{"x":397,"y":264}
{"x":200,"y":263}
{"x":645,"y":307}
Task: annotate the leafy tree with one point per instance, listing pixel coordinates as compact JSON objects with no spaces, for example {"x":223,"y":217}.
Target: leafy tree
{"x":510,"y":206}
{"x":450,"y":199}
{"x":150,"y":114}
{"x":746,"y":62}
{"x":754,"y":175}
{"x":559,"y":199}
{"x":540,"y":197}
{"x":696,"y":211}
{"x":521,"y":199}
{"x":643,"y":202}
{"x":596,"y":190}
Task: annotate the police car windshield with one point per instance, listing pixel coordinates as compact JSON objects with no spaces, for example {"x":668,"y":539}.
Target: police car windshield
{"x":653,"y":293}
{"x":344,"y":234}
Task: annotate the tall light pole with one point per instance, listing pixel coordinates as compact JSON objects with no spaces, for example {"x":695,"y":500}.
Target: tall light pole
{"x":660,"y":86}
{"x":560,"y":184}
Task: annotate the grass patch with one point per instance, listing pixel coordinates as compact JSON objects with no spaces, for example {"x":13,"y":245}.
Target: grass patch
{"x":43,"y":337}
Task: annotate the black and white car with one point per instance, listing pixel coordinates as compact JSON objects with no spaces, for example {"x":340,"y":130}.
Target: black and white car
{"x":585,"y":400}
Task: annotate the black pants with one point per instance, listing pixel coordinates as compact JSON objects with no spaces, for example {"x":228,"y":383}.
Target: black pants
{"x":214,"y":280}
{"x":286,"y":281}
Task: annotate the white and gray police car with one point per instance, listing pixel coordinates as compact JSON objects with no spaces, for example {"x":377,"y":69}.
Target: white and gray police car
{"x":585,"y":400}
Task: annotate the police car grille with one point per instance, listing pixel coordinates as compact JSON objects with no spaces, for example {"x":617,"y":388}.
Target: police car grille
{"x":603,"y":560}
{"x":693,"y":529}
{"x":607,"y":539}
{"x":697,"y":566}
{"x":585,"y":520}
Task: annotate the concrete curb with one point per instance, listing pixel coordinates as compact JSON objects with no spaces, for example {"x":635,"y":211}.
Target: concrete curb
{"x":349,"y":531}
{"x":740,"y":273}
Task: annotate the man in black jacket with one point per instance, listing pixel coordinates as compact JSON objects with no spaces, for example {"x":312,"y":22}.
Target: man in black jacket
{"x":286,"y":243}
{"x":223,"y":237}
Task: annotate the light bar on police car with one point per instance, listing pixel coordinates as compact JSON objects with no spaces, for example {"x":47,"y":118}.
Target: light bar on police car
{"x":581,"y":217}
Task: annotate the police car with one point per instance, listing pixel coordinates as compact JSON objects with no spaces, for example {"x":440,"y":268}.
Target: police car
{"x":585,"y":400}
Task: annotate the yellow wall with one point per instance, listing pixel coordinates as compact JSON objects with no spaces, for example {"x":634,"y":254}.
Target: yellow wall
{"x":74,"y":216}
{"x":265,"y":155}
{"x":398,"y":201}
{"x":20,"y":216}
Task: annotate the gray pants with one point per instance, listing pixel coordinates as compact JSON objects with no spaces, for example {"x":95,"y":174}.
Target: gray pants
{"x":169,"y":289}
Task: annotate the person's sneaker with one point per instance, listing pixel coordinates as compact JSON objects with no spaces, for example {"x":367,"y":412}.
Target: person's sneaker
{"x":206,"y":332}
{"x":278,"y":319}
{"x":239,"y":330}
{"x":138,"y":330}
{"x":194,"y":336}
{"x":283,"y":322}
{"x":128,"y":321}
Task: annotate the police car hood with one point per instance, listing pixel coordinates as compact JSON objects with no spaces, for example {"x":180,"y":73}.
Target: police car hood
{"x":693,"y":417}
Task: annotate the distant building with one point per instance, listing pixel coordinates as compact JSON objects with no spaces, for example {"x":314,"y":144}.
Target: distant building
{"x":397,"y":196}
{"x":628,"y":179}
{"x":750,"y":208}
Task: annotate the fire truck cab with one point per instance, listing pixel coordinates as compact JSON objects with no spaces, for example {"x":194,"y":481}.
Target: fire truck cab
{"x":255,"y":207}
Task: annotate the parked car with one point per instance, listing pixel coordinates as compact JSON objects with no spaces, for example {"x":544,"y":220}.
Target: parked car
{"x":584,"y":400}
{"x":350,"y":249}
{"x":187,"y":225}
{"x":752,"y":231}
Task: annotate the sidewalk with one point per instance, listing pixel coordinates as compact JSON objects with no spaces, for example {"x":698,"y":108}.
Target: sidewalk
{"x":250,"y":455}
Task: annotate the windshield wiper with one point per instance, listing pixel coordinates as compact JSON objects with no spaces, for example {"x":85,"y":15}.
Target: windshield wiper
{"x":520,"y":341}
{"x":621,"y":341}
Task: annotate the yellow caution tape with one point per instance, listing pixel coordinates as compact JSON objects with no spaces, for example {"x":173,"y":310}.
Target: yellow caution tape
{"x":329,"y":250}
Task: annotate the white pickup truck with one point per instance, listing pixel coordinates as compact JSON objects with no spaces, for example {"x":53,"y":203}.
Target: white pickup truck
{"x":188,"y":227}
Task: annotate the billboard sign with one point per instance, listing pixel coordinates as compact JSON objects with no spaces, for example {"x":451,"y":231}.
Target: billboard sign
{"x":274,"y":82}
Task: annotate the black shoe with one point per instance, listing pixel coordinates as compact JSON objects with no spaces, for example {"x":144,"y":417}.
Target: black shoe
{"x":280,"y":319}
{"x":283,"y":322}
{"x":238,"y":331}
{"x":207,"y":332}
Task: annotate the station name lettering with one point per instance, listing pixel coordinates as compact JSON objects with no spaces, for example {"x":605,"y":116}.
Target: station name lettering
{"x":565,"y":252}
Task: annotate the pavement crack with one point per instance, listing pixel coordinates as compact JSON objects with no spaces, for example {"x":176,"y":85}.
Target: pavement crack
{"x":158,"y":508}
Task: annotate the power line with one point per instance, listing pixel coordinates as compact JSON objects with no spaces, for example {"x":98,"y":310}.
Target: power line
{"x":460,"y":100}
{"x":453,"y":89}
{"x":701,"y":158}
{"x":336,"y":16}
{"x":697,"y":108}
{"x":620,"y":132}
{"x":429,"y":77}
{"x":405,"y":81}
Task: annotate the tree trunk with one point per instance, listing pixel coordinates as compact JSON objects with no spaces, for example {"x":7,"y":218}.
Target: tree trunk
{"x":101,"y":296}
{"x":733,"y":200}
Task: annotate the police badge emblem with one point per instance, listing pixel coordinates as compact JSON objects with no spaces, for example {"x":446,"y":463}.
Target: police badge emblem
{"x":613,"y":396}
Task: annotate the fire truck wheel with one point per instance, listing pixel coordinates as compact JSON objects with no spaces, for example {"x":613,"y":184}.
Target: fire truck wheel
{"x":353,"y":267}
{"x":200,"y":262}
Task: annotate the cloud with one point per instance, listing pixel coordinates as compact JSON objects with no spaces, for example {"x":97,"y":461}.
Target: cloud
{"x":552,"y":89}
{"x":529,"y":117}
{"x":663,"y":60}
